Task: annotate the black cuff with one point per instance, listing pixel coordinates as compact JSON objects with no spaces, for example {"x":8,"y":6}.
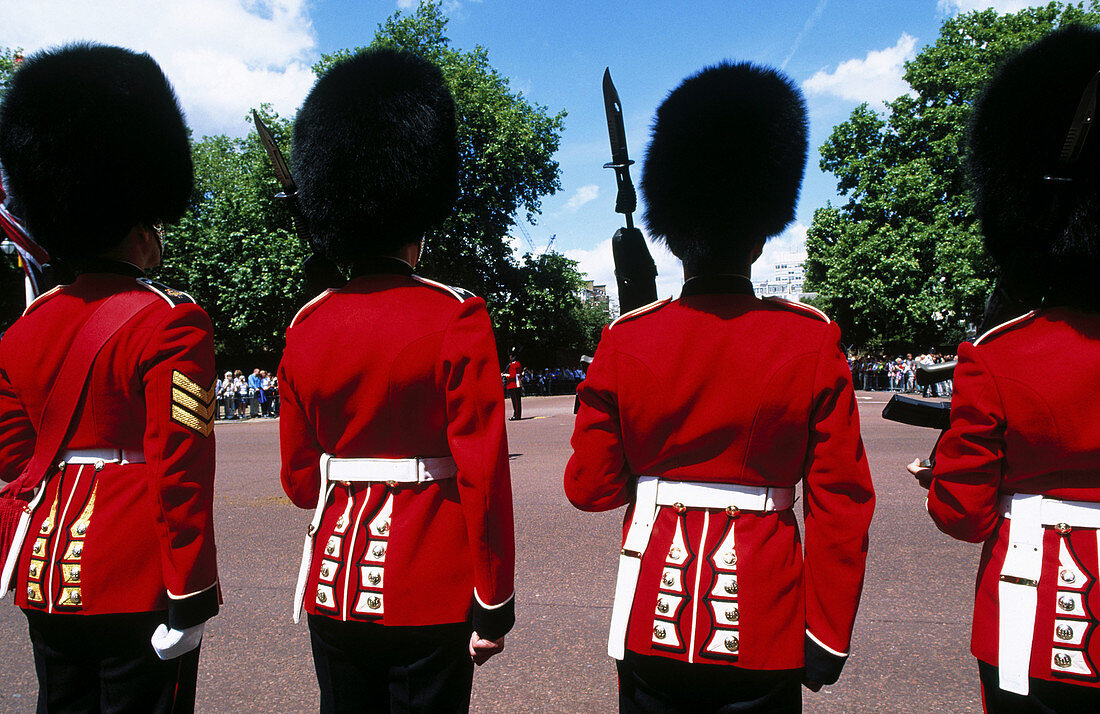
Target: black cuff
{"x":492,"y":624}
{"x":194,"y":609}
{"x":822,"y":666}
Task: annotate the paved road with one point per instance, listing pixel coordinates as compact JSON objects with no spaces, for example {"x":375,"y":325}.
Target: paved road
{"x":910,"y":652}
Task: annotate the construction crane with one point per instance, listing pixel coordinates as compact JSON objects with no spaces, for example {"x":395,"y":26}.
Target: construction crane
{"x":531,"y":243}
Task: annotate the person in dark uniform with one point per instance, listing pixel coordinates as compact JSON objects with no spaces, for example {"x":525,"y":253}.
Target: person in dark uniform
{"x":514,"y":381}
{"x":1019,"y":469}
{"x":702,"y":414}
{"x":392,"y":421}
{"x":117,"y":572}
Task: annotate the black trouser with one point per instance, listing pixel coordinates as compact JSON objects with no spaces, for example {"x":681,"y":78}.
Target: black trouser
{"x":105,"y":663}
{"x":656,"y":685}
{"x":364,"y":667}
{"x":517,"y":406}
{"x":1043,"y":697}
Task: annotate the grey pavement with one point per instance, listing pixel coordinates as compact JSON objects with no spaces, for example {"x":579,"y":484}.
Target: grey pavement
{"x":911,"y":645}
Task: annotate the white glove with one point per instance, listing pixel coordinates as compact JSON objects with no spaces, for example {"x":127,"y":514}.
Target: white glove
{"x":170,"y":644}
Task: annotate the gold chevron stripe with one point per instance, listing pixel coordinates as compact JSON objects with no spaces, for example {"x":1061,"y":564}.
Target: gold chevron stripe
{"x":181,"y":415}
{"x":185,"y":400}
{"x":193,"y":388}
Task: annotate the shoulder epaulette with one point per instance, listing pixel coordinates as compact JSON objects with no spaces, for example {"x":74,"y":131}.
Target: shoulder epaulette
{"x":994,"y":331}
{"x":171,"y":295}
{"x":459,"y":294}
{"x":643,"y":310}
{"x":41,"y":299}
{"x":808,"y":310}
{"x":309,"y":306}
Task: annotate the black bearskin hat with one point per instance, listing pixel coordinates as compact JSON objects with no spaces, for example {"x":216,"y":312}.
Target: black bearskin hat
{"x":723,"y":169}
{"x":375,"y":154}
{"x":1040,"y":216}
{"x":93,"y":142}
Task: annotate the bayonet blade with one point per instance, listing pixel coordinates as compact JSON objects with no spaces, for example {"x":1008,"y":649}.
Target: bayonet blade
{"x":616,"y":132}
{"x":282,"y":171}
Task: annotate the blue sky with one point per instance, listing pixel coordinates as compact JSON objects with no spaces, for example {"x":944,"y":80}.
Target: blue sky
{"x":224,"y":56}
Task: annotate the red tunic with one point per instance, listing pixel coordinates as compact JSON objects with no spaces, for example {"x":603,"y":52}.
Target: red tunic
{"x":770,"y":404}
{"x":127,"y":538}
{"x":515,"y":375}
{"x":395,"y":366}
{"x":1022,"y":422}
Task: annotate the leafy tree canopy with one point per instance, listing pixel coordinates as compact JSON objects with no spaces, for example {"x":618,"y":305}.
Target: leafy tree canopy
{"x":902,"y":261}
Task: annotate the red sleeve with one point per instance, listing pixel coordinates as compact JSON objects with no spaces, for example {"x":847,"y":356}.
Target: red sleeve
{"x":298,"y":445}
{"x":597,"y":477}
{"x":16,"y":432}
{"x":963,"y":497}
{"x":479,"y":445}
{"x":179,"y":381}
{"x":838,"y":502}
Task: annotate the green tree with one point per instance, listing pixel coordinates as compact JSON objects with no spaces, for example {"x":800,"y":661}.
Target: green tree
{"x":902,"y":261}
{"x":235,"y":249}
{"x":545,"y":316}
{"x":506,"y":148}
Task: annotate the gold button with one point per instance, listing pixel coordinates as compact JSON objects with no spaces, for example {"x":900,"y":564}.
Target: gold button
{"x":730,"y":558}
{"x":674,"y":553}
{"x":733,"y":511}
{"x":34,"y":570}
{"x":1067,"y":575}
{"x":30,"y":592}
{"x":324,"y":571}
{"x":374,"y":578}
{"x":37,"y":550}
{"x":98,"y":465}
{"x":1064,"y":632}
{"x":75,"y":597}
{"x":44,"y":528}
{"x":659,"y":632}
{"x":374,"y":602}
{"x":78,"y":549}
{"x":81,"y":528}
{"x":75,"y":572}
{"x":731,"y":587}
{"x":662,"y":606}
{"x":340,"y":522}
{"x":667,"y":580}
{"x":1063,"y":528}
{"x":679,"y":507}
{"x":384,"y":527}
{"x":1063,"y":660}
{"x":1066,"y":603}
{"x":733,"y":615}
{"x":379,"y":551}
{"x":330,"y":548}
{"x":321,"y":597}
{"x":731,"y":643}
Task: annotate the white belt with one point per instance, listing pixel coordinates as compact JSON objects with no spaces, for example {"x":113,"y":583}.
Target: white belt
{"x":363,"y":470}
{"x":1017,"y":591}
{"x":106,"y":455}
{"x":653,"y":492}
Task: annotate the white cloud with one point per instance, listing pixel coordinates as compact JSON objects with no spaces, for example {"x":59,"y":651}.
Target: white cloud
{"x":951,"y":7}
{"x":599,"y":265}
{"x":222,"y":56}
{"x":790,"y":244}
{"x":875,"y":78}
{"x":581,"y":196}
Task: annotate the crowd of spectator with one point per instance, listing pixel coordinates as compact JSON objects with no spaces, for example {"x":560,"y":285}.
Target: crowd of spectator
{"x":547,"y":381}
{"x":881,"y":373}
{"x":245,"y":397}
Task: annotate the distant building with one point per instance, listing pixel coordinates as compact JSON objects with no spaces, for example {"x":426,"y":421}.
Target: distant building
{"x":591,"y":292}
{"x":789,"y":279}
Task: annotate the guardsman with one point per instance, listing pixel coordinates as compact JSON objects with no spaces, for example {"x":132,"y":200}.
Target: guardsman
{"x":718,"y":603}
{"x":514,"y":377}
{"x":392,"y":422}
{"x":1019,"y":468}
{"x":117,"y":571}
